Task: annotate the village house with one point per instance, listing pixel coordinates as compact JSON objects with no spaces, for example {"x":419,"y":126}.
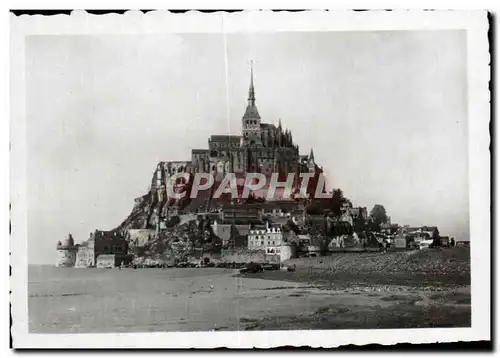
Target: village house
{"x":240,"y":214}
{"x":103,"y":243}
{"x":269,"y":240}
{"x":229,"y":232}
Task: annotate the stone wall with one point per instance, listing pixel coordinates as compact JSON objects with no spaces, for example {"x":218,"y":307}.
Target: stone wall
{"x":66,"y":258}
{"x":288,"y":252}
{"x":85,"y":257}
{"x":139,"y":237}
{"x":245,"y":255}
{"x":400,"y":242}
{"x":113,"y":260}
{"x":105,"y":261}
{"x":223,"y":231}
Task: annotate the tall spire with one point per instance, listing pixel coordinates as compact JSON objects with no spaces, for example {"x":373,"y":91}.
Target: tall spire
{"x":311,"y":156}
{"x":251,"y":91}
{"x":251,"y":111}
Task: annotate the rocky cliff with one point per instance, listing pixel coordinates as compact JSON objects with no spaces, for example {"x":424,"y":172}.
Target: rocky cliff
{"x":178,"y":243}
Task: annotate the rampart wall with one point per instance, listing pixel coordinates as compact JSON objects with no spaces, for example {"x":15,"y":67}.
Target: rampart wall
{"x":245,"y":255}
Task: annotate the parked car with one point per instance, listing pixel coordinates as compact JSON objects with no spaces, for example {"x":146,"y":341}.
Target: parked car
{"x":252,"y":268}
{"x":425,"y":244}
{"x":271,"y":267}
{"x":291,"y":268}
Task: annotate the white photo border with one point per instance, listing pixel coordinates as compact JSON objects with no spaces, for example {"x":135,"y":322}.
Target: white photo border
{"x":133,"y":22}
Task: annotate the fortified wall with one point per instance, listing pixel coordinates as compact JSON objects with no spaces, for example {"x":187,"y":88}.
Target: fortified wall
{"x":245,"y":255}
{"x":66,"y":252}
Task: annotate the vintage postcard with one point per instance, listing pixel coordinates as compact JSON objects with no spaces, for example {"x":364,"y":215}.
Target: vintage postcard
{"x":249,"y":179}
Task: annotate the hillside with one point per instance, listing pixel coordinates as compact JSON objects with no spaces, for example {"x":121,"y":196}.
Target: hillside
{"x":180,"y":242}
{"x":139,"y":214}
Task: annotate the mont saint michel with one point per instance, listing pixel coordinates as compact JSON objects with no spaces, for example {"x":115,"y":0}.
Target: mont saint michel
{"x":185,"y":183}
{"x":262,"y":148}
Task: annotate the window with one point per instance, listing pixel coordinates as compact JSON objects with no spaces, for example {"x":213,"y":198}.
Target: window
{"x":269,"y":242}
{"x":273,"y":242}
{"x":262,"y":243}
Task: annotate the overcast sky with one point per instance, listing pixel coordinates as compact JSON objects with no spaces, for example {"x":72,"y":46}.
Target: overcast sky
{"x":386,"y":114}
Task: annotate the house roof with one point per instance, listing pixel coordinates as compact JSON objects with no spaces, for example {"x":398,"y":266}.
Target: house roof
{"x":251,"y":112}
{"x":341,"y":224}
{"x":225,"y":138}
{"x":242,"y":221}
{"x":281,"y":205}
{"x":199,"y":151}
{"x":267,"y":125}
{"x":241,"y":211}
{"x":356,"y":211}
{"x":230,"y":206}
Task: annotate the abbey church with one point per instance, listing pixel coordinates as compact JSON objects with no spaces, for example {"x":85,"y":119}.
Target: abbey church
{"x":261,"y":148}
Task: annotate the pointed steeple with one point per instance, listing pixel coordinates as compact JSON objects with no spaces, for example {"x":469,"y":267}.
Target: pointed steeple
{"x":279,"y":124}
{"x":251,"y":90}
{"x":311,"y":155}
{"x":251,"y":112}
{"x":287,"y":137}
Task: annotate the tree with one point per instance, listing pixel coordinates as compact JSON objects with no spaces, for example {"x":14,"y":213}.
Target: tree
{"x":333,"y":204}
{"x":172,"y":221}
{"x":436,"y":239}
{"x":290,"y":225}
{"x":359,"y":223}
{"x":378,"y":215}
{"x":233,"y":233}
{"x":337,"y":201}
{"x":315,"y":208}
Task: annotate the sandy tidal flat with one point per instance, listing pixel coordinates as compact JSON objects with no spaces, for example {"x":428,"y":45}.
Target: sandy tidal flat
{"x":68,"y":300}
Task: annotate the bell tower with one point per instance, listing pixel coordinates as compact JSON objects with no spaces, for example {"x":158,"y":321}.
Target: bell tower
{"x":251,"y":118}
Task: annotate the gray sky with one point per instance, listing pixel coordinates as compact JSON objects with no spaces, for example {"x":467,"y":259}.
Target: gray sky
{"x":386,"y":114}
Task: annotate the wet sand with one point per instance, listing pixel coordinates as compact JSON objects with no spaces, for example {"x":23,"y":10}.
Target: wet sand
{"x":69,"y":300}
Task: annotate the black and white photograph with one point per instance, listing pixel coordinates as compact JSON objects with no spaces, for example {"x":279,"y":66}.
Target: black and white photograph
{"x":251,"y":179}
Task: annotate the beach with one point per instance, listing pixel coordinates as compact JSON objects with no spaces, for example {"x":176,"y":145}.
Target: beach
{"x":71,"y":300}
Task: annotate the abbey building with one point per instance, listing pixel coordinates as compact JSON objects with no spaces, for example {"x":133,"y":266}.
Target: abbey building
{"x":261,"y":148}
